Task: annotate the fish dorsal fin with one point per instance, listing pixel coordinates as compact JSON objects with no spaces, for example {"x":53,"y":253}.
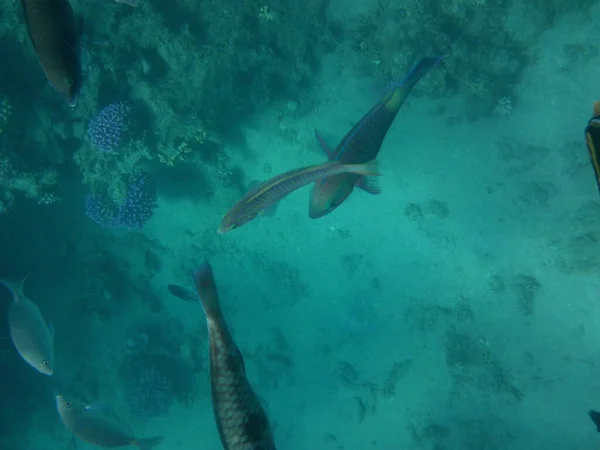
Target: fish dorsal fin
{"x":326,"y":148}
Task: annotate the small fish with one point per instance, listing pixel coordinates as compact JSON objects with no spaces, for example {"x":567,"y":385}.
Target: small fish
{"x":55,"y":33}
{"x":31,"y":335}
{"x":97,"y":424}
{"x":592,"y":139}
{"x":182,"y":293}
{"x":241,"y":420}
{"x":361,"y":144}
{"x":271,"y":191}
{"x":595,"y":416}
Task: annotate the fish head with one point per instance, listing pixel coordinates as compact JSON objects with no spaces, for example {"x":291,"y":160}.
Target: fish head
{"x":46,"y":367}
{"x":329,"y":193}
{"x":41,"y":356}
{"x":235,"y":218}
{"x":64,"y":407}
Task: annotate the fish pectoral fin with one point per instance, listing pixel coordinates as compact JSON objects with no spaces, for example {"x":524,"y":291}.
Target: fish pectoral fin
{"x":369,"y":184}
{"x":326,"y":149}
{"x":270,"y":210}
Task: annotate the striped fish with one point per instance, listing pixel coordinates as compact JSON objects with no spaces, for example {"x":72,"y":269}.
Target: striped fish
{"x":271,"y":191}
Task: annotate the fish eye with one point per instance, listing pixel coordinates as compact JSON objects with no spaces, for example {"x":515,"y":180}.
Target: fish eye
{"x":68,"y":404}
{"x":46,"y":363}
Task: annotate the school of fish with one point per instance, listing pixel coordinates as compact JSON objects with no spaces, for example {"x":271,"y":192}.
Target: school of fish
{"x":55,"y":31}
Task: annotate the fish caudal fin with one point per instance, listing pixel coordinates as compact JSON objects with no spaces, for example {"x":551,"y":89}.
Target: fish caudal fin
{"x":15,"y":288}
{"x":369,"y":184}
{"x":370,"y":169}
{"x":148,"y":443}
{"x":597,"y":108}
{"x":206,"y":287}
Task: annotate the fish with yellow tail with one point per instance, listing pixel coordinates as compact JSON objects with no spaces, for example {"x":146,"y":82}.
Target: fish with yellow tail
{"x":592,"y":139}
{"x":241,"y":420}
{"x":271,"y":191}
{"x":99,"y":425}
{"x":30,"y":333}
{"x":361,"y":144}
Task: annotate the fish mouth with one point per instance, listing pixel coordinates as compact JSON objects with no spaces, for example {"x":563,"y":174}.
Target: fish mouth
{"x":315,"y":213}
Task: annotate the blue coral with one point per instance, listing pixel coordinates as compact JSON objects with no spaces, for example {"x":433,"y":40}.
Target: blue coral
{"x":107,"y":128}
{"x":149,"y":393}
{"x":135,"y":210}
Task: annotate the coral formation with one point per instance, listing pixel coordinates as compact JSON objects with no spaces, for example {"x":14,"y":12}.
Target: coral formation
{"x":136,"y":208}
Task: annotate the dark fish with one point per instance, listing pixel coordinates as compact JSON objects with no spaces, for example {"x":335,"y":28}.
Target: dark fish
{"x":595,"y":416}
{"x":97,"y":424}
{"x":271,"y":191}
{"x":592,"y":138}
{"x":30,"y":333}
{"x":361,"y":144}
{"x":182,"y":293}
{"x":241,"y":420}
{"x":55,"y":33}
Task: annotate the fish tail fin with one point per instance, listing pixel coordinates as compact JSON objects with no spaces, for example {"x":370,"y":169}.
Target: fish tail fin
{"x":148,"y":443}
{"x":369,"y":169}
{"x":15,"y":287}
{"x":418,"y":71}
{"x":597,"y":108}
{"x":206,"y":287}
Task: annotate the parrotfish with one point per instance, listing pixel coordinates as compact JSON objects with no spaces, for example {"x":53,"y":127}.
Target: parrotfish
{"x":55,"y":32}
{"x":592,"y":139}
{"x":361,"y":144}
{"x":271,"y":191}
{"x":98,"y":424}
{"x":241,"y":420}
{"x":31,"y":335}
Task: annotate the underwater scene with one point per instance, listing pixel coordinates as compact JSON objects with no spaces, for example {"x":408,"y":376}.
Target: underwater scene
{"x":317,"y":224}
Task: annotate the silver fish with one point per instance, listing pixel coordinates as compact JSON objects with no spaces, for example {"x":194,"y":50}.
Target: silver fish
{"x":97,"y":424}
{"x":29,"y":332}
{"x":241,"y":420}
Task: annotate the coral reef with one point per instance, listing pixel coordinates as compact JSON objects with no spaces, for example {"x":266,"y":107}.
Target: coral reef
{"x":156,"y":360}
{"x":136,"y":208}
{"x":484,"y":57}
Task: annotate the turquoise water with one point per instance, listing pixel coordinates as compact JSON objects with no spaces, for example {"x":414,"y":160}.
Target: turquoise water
{"x":455,"y":310}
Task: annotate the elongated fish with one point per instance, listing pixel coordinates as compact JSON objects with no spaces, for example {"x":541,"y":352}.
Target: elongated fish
{"x":361,"y":144}
{"x":592,"y":139}
{"x":273,"y":190}
{"x":55,"y":33}
{"x":29,"y":332}
{"x":241,"y":420}
{"x":97,"y":424}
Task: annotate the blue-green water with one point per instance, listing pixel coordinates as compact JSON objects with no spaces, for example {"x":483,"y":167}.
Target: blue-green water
{"x":455,"y":310}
